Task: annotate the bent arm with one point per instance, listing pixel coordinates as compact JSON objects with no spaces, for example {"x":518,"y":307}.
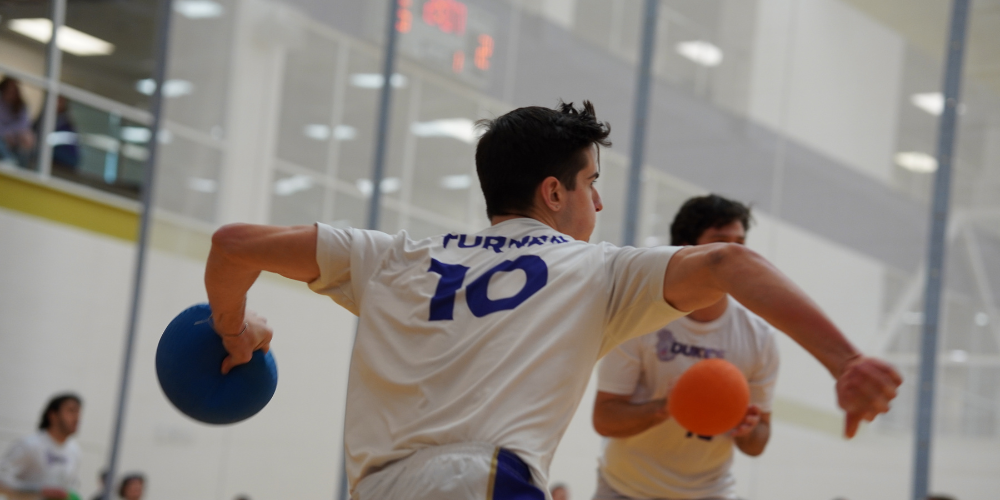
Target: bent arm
{"x":239,"y":253}
{"x":754,"y":442}
{"x":701,"y":275}
{"x":698,"y":276}
{"x":616,"y":417}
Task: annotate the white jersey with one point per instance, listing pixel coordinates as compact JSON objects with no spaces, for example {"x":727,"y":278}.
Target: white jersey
{"x":36,"y":461}
{"x":480,"y":338}
{"x":666,"y":461}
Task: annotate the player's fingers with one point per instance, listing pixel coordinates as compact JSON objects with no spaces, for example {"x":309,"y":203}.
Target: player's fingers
{"x":851,"y":424}
{"x":227,"y":364}
{"x":890,"y":371}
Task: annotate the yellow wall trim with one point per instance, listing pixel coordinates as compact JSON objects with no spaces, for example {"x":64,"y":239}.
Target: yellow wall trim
{"x":30,"y":196}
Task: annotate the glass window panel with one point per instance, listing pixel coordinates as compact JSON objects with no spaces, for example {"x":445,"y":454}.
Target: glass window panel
{"x":113,"y":50}
{"x":99,"y":149}
{"x":197,"y":87}
{"x":611,"y":187}
{"x":306,"y":124}
{"x":349,"y":210}
{"x":360,"y":111}
{"x":445,"y":152}
{"x":187,"y":180}
{"x":296,"y":199}
{"x":22,"y":31}
{"x":361,"y":98}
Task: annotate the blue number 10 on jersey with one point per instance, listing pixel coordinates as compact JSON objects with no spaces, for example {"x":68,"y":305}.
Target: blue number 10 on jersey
{"x":453,"y":277}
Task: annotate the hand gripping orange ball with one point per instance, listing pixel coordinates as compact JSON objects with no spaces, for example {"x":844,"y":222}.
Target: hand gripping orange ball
{"x":709,"y":398}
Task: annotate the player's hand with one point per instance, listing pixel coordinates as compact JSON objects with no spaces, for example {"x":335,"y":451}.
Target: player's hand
{"x":54,"y":494}
{"x":750,"y":421}
{"x":864,"y":389}
{"x":662,"y":413}
{"x":257,"y":336}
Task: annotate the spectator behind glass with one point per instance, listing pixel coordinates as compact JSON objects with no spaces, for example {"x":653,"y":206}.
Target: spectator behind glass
{"x":132,"y":486}
{"x":64,"y":141}
{"x":16,"y":137}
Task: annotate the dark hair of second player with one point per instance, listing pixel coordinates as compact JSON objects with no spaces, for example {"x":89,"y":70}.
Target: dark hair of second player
{"x":527,"y":145}
{"x":705,"y":212}
{"x":55,"y":404}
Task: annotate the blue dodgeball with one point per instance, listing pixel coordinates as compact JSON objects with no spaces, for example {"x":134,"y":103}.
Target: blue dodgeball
{"x":188,"y":363}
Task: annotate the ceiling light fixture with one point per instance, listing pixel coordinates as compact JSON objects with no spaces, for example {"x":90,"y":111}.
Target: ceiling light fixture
{"x":915,"y":161}
{"x":701,"y":52}
{"x":198,"y":9}
{"x":930,"y":102}
{"x":345,"y":133}
{"x":982,"y":319}
{"x":171,"y":88}
{"x":375,"y":80}
{"x":138,"y":135}
{"x":68,"y":39}
{"x":462,"y":181}
{"x":203,"y":185}
{"x":462,"y":129}
{"x":317,"y":131}
{"x":292,"y":185}
{"x":388,"y":185}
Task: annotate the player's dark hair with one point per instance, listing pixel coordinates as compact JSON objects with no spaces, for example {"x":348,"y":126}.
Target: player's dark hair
{"x":134,"y":476}
{"x":704,"y":212}
{"x":55,"y":404}
{"x":524,"y":147}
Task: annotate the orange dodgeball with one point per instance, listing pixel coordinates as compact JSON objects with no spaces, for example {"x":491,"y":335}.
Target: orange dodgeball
{"x":709,"y":398}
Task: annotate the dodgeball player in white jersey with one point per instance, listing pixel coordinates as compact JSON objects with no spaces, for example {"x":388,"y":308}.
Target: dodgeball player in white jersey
{"x":473,"y":350}
{"x":648,"y":455}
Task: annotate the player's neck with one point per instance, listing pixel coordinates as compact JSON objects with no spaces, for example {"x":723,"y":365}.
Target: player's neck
{"x":58,"y":436}
{"x":712,"y":312}
{"x":547,"y":220}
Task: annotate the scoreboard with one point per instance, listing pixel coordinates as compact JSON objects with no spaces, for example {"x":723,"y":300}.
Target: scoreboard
{"x":449,"y":36}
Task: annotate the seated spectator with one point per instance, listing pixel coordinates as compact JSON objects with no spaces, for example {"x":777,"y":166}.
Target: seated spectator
{"x":63,"y":140}
{"x":16,"y":137}
{"x":132,"y":486}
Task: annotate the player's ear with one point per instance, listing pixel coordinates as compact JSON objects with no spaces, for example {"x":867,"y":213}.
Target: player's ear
{"x":550,"y":193}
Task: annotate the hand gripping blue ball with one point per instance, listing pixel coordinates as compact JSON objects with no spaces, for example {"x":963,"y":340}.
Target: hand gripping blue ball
{"x":188,"y":365}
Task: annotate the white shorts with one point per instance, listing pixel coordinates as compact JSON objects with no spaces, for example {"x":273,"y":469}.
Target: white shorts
{"x":606,"y":492}
{"x":461,"y":471}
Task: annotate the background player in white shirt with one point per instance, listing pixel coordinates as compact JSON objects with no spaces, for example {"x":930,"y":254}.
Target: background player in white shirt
{"x":47,"y":462}
{"x":474,"y":350}
{"x":648,"y":454}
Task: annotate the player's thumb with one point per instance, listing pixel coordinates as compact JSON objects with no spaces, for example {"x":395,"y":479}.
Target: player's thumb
{"x":851,"y":423}
{"x":228,"y":364}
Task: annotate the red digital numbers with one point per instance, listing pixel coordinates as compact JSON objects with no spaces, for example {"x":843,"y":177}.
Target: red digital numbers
{"x":484,"y":51}
{"x":404,"y":16}
{"x":446,"y":15}
{"x":458,"y":61}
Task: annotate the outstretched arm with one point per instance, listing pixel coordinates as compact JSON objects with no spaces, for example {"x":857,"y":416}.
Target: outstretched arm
{"x":699,"y":276}
{"x":239,"y":253}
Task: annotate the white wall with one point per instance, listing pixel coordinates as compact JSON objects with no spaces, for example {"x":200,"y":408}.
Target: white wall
{"x":63,"y":305}
{"x":828,"y":76}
